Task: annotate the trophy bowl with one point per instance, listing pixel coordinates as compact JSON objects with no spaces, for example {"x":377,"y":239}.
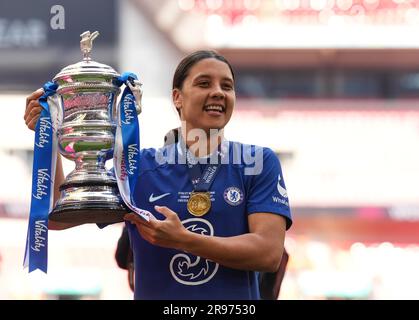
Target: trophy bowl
{"x":86,"y":125}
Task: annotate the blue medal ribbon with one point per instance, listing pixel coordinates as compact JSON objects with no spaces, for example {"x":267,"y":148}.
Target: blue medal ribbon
{"x":130,"y":130}
{"x":36,"y":252}
{"x":202,"y":181}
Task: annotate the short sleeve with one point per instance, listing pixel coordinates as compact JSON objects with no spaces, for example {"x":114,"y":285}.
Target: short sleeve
{"x":267,"y":192}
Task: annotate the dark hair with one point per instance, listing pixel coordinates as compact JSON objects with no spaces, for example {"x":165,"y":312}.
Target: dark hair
{"x":172,"y":136}
{"x":190,"y":60}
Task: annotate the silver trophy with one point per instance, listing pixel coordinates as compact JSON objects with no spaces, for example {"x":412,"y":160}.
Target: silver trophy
{"x":85,"y":120}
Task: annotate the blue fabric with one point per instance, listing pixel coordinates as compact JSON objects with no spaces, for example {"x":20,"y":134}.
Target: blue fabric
{"x":202,"y":175}
{"x":36,"y":252}
{"x":163,"y":273}
{"x":123,"y":78}
{"x":197,"y":173}
{"x":130,"y":129}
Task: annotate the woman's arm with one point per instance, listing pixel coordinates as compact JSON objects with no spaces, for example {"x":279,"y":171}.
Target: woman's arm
{"x":259,"y":250}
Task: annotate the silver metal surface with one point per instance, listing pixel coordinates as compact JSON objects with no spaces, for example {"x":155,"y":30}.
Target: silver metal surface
{"x":138,"y":94}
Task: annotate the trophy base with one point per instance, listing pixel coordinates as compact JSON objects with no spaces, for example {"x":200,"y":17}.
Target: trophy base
{"x":89,"y":213}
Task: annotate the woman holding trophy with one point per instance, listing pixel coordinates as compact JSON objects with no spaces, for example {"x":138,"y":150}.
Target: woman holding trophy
{"x":219,"y":208}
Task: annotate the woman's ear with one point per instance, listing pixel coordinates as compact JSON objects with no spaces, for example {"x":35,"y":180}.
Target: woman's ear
{"x":177,"y":99}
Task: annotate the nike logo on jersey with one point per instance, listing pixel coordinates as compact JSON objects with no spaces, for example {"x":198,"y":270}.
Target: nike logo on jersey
{"x":155,"y":198}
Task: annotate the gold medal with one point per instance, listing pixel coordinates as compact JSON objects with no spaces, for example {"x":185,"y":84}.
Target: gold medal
{"x":199,"y":203}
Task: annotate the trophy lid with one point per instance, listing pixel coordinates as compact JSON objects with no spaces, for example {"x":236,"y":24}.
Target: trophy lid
{"x":87,"y":66}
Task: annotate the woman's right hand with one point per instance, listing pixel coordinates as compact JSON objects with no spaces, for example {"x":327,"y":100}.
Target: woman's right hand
{"x":33,"y":108}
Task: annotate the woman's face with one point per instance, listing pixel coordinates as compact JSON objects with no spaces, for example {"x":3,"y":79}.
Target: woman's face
{"x":207,"y":97}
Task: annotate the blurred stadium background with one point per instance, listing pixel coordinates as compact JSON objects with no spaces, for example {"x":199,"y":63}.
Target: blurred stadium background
{"x":331,"y":85}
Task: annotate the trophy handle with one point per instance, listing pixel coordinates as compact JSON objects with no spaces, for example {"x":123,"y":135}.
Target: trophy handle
{"x":136,"y":90}
{"x":56,"y":112}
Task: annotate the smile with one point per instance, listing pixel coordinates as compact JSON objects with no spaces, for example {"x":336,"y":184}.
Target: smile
{"x":214,"y":108}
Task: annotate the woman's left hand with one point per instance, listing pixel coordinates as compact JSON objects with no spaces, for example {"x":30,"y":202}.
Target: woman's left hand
{"x":169,"y":233}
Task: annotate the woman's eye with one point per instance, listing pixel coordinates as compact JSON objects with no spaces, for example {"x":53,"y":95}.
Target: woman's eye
{"x":203,"y":84}
{"x":227,"y":87}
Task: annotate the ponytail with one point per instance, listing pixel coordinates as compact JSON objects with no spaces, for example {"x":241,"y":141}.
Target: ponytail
{"x":172,"y":136}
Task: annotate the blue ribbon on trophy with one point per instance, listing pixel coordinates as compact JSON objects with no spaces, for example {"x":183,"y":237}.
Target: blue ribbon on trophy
{"x":130,"y":130}
{"x":127,"y":142}
{"x":43,"y":173}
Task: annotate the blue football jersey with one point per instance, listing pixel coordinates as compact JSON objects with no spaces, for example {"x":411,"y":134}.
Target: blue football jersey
{"x":240,"y":188}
